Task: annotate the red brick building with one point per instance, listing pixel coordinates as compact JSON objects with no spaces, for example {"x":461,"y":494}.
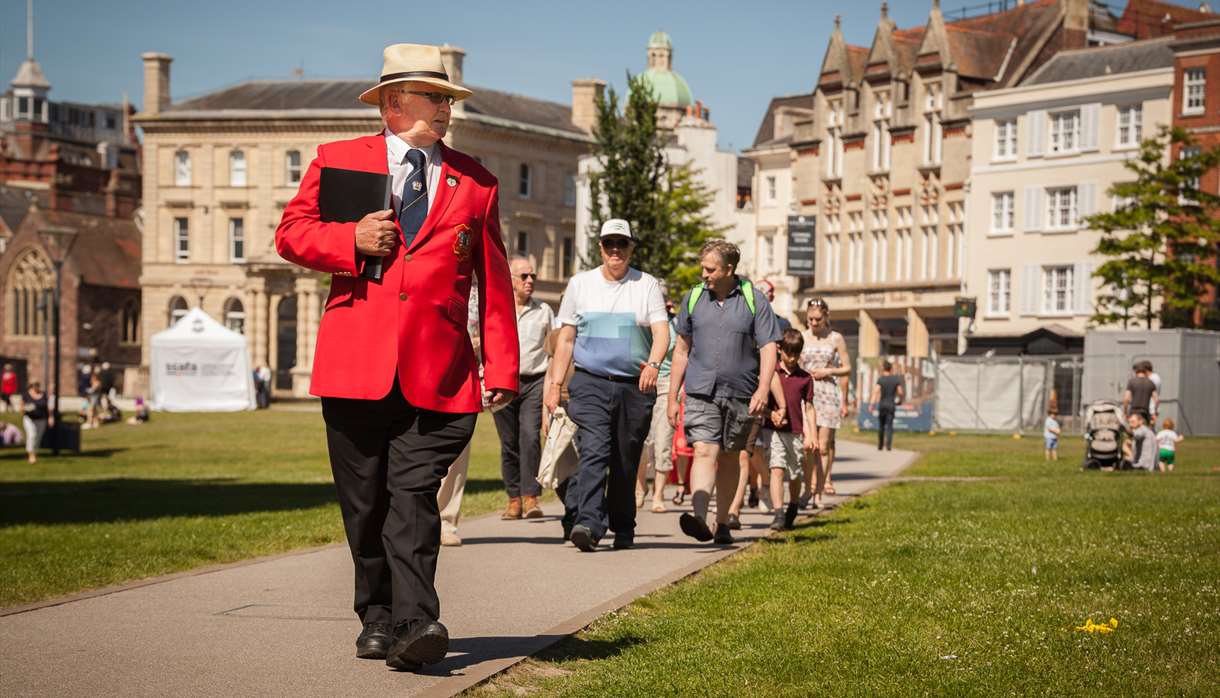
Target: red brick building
{"x":1196,"y":108}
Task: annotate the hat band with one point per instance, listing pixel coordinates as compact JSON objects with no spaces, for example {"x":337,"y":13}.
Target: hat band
{"x":414,"y":74}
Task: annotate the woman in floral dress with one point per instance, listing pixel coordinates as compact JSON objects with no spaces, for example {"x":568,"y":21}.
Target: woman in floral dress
{"x":825,"y":358}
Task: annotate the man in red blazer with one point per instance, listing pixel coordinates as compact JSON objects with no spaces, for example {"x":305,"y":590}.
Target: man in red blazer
{"x":394,"y":365}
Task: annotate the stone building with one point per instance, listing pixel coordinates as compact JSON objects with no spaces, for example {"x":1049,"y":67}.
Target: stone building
{"x":219,"y":169}
{"x":690,"y":139}
{"x":884,"y":162}
{"x":1044,"y":155}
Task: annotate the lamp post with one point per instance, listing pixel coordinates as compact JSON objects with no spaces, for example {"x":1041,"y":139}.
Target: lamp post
{"x":58,"y":243}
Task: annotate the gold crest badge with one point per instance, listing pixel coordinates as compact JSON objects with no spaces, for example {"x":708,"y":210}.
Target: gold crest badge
{"x":461,"y":243}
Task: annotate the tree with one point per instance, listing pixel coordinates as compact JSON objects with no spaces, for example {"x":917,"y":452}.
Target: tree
{"x":1159,"y":240}
{"x":665,"y":204}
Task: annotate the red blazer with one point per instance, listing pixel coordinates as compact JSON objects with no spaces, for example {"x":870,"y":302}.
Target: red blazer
{"x":413,"y":323}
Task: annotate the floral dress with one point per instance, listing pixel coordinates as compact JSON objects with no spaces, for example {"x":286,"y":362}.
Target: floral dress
{"x":827,"y":398}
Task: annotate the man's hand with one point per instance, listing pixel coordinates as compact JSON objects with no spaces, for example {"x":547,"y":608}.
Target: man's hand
{"x":375,"y":233}
{"x":550,"y":401}
{"x":498,"y":397}
{"x":648,"y":378}
{"x":758,"y":403}
{"x":671,"y":409}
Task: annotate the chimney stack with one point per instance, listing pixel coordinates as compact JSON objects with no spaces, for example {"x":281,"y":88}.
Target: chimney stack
{"x":585,"y":94}
{"x":156,"y":82}
{"x":452,"y":57}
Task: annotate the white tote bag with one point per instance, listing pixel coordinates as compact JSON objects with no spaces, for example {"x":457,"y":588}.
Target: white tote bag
{"x":559,"y":459}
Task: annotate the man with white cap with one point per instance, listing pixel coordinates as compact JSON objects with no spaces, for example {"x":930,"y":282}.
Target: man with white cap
{"x":394,"y":365}
{"x":616,"y":331}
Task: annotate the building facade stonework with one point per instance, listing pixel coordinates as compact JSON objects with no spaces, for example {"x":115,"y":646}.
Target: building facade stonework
{"x":220,"y":168}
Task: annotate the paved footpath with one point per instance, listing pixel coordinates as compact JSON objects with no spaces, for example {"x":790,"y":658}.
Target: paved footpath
{"x":284,"y":626}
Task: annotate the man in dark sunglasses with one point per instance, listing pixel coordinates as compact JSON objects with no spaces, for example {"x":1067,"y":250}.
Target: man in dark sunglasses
{"x":519,"y":424}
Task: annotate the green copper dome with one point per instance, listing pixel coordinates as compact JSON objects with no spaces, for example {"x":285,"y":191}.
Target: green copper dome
{"x":660,"y":40}
{"x":668,"y":87}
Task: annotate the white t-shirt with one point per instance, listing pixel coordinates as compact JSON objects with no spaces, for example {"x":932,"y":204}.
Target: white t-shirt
{"x":1167,"y":439}
{"x":612,"y":320}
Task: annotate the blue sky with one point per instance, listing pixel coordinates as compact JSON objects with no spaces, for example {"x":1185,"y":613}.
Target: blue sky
{"x":735,"y":57}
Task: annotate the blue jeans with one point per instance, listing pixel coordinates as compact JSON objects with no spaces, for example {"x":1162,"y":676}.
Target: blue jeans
{"x":612,"y":420}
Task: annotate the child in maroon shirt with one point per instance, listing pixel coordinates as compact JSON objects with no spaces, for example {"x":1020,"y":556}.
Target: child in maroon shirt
{"x":794,"y":432}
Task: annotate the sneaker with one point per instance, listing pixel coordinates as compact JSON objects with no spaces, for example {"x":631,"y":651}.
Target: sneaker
{"x":734,"y":522}
{"x":777,"y":523}
{"x":764,"y":500}
{"x":723,"y":536}
{"x":790,"y":516}
{"x":695,"y":527}
{"x":582,"y":538}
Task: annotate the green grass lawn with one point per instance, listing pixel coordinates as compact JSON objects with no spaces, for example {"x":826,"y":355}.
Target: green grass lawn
{"x":182,"y":491}
{"x":968,"y":582}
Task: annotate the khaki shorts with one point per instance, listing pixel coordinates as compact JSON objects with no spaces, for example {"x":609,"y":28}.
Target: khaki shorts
{"x":787,"y":453}
{"x":723,"y":421}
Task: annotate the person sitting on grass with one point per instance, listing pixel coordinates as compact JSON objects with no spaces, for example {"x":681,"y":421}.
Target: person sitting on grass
{"x":794,"y":430}
{"x":1050,"y":432}
{"x":1168,"y":440}
{"x":141,"y":414}
{"x":1143,"y":449}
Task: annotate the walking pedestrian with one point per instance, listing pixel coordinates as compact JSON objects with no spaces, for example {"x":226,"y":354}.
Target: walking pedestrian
{"x":394,"y":366}
{"x":616,"y":331}
{"x":37,"y":414}
{"x":658,"y":447}
{"x":825,"y":359}
{"x":794,"y":430}
{"x":8,"y":387}
{"x":725,"y":360}
{"x":888,"y":393}
{"x":520,"y":423}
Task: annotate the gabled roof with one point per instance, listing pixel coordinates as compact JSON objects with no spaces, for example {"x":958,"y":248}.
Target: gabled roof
{"x":282,"y":95}
{"x":107,"y":250}
{"x":15,"y":204}
{"x":1105,"y":60}
{"x":766,"y":130}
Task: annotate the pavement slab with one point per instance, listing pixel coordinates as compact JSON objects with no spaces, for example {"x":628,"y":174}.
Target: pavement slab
{"x":284,"y":625}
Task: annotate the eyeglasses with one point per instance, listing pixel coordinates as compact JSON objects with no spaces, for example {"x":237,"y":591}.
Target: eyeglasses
{"x":437,"y":98}
{"x":528,"y":276}
{"x":616,"y":243}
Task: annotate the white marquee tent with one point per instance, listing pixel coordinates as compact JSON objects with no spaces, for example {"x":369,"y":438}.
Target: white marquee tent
{"x":198,"y":365}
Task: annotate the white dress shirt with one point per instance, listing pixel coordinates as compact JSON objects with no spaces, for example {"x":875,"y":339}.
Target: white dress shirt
{"x":396,"y":157}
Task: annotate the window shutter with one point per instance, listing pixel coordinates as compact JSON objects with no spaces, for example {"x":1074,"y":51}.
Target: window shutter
{"x":1031,"y":288}
{"x":1084,"y":288}
{"x":1090,"y":115}
{"x":1035,"y":126}
{"x":1031,"y":217}
{"x":1086,"y":201}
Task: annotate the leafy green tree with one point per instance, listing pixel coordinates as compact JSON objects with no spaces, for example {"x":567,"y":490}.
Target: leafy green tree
{"x":665,"y":204}
{"x":1160,"y":241}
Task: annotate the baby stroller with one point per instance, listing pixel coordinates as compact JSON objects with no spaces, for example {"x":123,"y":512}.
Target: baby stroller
{"x":1103,"y":434}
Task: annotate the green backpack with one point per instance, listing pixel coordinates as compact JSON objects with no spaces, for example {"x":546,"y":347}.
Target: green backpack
{"x":747,"y":291}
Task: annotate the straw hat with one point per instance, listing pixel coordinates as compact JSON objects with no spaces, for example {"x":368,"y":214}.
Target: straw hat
{"x":414,"y":63}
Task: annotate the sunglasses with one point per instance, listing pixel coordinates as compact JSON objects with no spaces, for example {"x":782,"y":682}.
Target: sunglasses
{"x":818,"y":303}
{"x":616,"y":243}
{"x":437,"y":98}
{"x":528,"y":276}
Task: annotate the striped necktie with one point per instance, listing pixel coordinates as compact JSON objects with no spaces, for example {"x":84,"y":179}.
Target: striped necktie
{"x":414,"y":197}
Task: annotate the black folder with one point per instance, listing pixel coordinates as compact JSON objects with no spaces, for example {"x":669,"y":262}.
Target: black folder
{"x":346,"y":196}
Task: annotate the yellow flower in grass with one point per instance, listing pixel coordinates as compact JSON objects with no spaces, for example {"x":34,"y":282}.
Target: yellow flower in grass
{"x":1103,"y":628}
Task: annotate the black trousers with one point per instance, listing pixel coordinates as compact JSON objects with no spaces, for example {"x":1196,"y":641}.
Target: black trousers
{"x":388,"y":459}
{"x":885,"y":430}
{"x":612,"y":420}
{"x":520,"y":428}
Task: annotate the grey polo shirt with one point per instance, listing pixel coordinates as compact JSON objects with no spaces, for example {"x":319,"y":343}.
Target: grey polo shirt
{"x":724,"y":342}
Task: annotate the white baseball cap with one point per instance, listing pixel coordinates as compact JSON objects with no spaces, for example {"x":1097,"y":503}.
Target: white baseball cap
{"x":616,"y":227}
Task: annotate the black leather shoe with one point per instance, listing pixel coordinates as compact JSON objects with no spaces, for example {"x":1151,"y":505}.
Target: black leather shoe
{"x":417,"y":644}
{"x":374,"y":641}
{"x":623,"y":542}
{"x":695,"y":527}
{"x":582,"y":538}
{"x":790,"y":516}
{"x":723,"y":535}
